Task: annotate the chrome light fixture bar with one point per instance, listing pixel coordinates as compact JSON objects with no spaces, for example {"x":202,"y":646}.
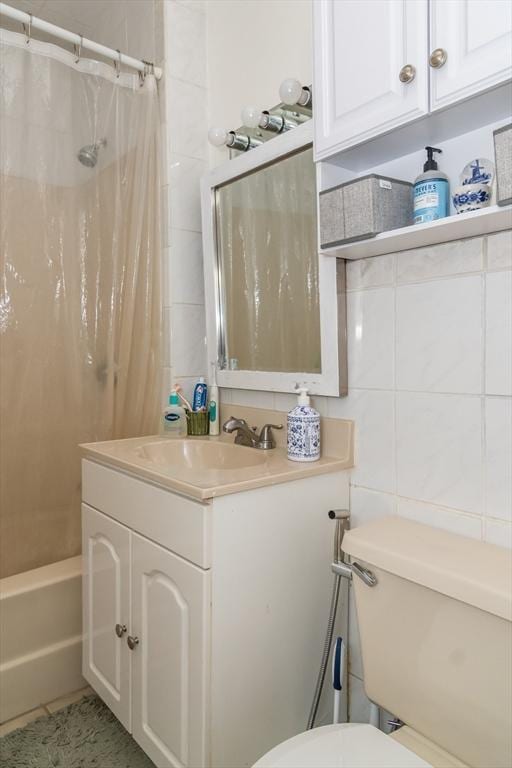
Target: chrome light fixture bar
{"x":219,"y":137}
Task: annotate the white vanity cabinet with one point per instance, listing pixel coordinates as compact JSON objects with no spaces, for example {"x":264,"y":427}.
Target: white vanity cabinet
{"x":106,"y":605}
{"x":204,"y":619}
{"x":376,"y":61}
{"x":145,"y":613}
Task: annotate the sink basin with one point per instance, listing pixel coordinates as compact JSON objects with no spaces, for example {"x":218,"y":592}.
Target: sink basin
{"x":200,"y":455}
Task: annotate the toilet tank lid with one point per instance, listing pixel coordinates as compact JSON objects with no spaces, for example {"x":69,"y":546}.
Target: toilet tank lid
{"x":473,"y":572}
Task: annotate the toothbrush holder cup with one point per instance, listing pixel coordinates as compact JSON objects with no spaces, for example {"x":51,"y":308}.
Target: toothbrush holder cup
{"x":198,"y":423}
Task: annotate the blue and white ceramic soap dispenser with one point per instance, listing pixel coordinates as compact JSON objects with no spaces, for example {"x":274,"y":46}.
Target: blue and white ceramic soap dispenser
{"x":303,"y":430}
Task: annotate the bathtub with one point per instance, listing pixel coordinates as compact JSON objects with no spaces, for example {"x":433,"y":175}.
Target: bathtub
{"x":40,"y":636}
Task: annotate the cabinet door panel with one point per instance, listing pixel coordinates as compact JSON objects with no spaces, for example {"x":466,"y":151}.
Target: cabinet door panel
{"x":360,"y":47}
{"x":106,"y":602}
{"x":170,"y":618}
{"x":477,"y":37}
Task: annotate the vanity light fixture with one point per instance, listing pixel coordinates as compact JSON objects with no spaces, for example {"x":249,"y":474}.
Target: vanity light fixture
{"x":292,"y":92}
{"x":219,"y":137}
{"x":252,"y":117}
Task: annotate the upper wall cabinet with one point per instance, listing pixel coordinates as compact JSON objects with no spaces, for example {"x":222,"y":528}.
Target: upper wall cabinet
{"x":471,"y":47}
{"x":369,"y":69}
{"x":377,"y":60}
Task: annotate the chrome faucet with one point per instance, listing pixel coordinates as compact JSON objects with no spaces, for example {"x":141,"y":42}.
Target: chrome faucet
{"x":248,"y":436}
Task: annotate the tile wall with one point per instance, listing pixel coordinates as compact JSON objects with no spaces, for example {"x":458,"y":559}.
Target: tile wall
{"x":184,"y":110}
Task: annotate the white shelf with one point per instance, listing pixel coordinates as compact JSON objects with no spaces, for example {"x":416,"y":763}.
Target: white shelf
{"x":457,"y":227}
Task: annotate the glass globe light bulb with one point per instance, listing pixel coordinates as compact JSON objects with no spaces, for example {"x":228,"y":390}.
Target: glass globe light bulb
{"x":290,"y":91}
{"x":250,"y":116}
{"x":217,"y":136}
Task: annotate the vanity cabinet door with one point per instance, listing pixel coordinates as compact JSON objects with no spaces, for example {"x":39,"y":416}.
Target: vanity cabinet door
{"x":371,"y":72}
{"x":170,"y":625}
{"x":106,"y":608}
{"x":470,"y":49}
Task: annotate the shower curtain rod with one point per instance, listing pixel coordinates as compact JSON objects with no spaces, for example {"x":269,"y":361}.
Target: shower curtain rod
{"x":71,"y":37}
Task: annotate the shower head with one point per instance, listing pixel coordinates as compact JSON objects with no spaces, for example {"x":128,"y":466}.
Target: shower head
{"x":88,"y":155}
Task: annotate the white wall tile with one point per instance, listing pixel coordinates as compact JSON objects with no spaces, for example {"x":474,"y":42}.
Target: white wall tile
{"x":185,"y":274}
{"x":440,"y":517}
{"x":499,"y":250}
{"x":247,"y":397}
{"x":195,"y":5}
{"x":188,"y":342}
{"x":319,"y":403}
{"x":499,"y":533}
{"x":367,"y":506}
{"x":371,"y":338}
{"x":439,"y":260}
{"x":185,"y":49}
{"x":439,"y":449}
{"x":439,"y":336}
{"x":225,"y":395}
{"x":498,"y":457}
{"x":374,"y":416}
{"x":498,"y":333}
{"x":359,"y":703}
{"x":186,"y":118}
{"x":285,"y":402}
{"x":369,"y":273}
{"x":184,"y":196}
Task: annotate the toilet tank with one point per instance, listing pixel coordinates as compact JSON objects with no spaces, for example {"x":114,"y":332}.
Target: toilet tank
{"x":436,"y":635}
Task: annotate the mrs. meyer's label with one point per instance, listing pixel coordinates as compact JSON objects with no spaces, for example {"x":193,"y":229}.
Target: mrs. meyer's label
{"x":430,"y":200}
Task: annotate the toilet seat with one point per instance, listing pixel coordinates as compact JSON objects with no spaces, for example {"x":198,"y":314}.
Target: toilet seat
{"x":350,"y":745}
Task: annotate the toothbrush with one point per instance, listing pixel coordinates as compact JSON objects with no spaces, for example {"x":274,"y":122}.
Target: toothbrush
{"x":214,"y":403}
{"x":338,"y":671}
{"x":179,"y":391}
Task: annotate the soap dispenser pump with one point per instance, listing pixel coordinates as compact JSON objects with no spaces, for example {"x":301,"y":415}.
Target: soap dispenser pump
{"x":303,"y":429}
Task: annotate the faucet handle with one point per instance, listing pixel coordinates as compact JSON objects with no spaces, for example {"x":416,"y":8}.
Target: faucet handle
{"x":266,"y":439}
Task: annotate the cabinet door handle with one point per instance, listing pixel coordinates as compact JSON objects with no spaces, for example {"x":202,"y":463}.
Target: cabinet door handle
{"x":120,"y":629}
{"x":132,"y":642}
{"x":407,"y":74}
{"x":438,"y":58}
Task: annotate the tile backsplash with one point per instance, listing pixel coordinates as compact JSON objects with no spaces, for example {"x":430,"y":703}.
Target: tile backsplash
{"x":430,"y":386}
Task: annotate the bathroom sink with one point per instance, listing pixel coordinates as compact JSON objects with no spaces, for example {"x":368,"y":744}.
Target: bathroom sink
{"x":200,"y":455}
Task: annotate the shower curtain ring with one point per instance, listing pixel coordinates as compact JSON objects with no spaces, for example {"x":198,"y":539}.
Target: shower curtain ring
{"x":28,"y":30}
{"x":78,"y":49}
{"x":117,"y":63}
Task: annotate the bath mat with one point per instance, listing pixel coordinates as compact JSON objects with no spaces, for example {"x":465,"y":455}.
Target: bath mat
{"x":83,"y":735}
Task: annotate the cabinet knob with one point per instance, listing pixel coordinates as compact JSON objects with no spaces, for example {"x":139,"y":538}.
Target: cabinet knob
{"x":407,"y":74}
{"x":120,"y":629}
{"x":132,"y":642}
{"x":438,"y":58}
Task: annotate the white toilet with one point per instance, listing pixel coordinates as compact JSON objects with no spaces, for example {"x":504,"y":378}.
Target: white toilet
{"x":436,"y":642}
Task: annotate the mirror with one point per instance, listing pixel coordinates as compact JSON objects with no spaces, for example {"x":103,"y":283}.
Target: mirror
{"x":275,"y":305}
{"x":267,"y":261}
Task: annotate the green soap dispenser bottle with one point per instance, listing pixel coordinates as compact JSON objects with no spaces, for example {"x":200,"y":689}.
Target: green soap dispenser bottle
{"x":431,"y":191}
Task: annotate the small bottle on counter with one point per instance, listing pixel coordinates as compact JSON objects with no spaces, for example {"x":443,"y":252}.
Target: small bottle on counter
{"x":174,"y":419}
{"x":303,"y":429}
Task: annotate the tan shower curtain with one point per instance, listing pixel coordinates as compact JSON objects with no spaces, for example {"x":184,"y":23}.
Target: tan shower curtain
{"x":80,"y":270}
